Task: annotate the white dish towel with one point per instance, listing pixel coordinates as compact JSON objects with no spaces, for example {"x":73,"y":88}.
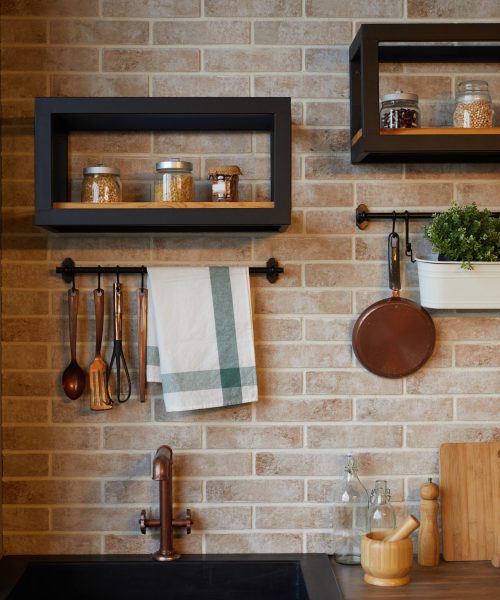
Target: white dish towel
{"x":200,"y":336}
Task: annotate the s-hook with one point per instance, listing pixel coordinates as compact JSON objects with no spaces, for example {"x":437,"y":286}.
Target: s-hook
{"x":408,"y":248}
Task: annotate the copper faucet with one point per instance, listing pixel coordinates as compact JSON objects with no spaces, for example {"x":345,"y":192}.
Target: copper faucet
{"x":162,"y":472}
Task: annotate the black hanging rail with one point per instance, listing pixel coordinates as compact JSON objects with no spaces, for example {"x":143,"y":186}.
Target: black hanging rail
{"x":363,"y":216}
{"x":68,"y":270}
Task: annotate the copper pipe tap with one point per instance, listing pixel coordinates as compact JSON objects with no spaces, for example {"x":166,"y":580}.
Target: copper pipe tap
{"x":162,"y":472}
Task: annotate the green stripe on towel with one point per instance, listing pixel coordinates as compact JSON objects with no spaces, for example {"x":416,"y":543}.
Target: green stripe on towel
{"x":226,"y":379}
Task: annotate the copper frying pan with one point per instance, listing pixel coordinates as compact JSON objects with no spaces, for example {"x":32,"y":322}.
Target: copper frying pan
{"x":393,"y":337}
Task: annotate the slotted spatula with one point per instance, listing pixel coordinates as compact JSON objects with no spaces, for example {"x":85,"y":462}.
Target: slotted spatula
{"x":97,"y":371}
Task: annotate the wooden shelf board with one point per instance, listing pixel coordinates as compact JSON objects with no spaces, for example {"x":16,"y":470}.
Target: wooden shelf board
{"x":150,"y":205}
{"x":442,"y":131}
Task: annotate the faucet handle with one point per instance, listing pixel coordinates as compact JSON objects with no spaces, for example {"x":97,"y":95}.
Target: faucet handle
{"x":184,"y":523}
{"x":142,"y":521}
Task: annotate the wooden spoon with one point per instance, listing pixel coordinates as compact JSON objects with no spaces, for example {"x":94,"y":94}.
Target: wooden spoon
{"x":73,"y":378}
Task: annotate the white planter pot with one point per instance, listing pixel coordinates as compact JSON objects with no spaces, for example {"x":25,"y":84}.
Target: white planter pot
{"x":446,"y":285}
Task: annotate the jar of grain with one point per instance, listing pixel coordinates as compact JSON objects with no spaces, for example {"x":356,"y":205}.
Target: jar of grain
{"x":399,"y":110}
{"x":101,"y":184}
{"x":224,"y":180}
{"x":473,"y":107}
{"x":174,"y":181}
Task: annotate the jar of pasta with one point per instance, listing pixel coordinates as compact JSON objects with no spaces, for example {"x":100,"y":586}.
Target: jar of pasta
{"x":174,"y":181}
{"x":101,"y":184}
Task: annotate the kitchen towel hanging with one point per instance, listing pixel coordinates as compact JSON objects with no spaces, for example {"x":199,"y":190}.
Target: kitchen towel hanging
{"x":200,"y":336}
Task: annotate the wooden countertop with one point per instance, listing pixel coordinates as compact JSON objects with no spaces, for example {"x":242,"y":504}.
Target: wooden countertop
{"x":478,"y":580}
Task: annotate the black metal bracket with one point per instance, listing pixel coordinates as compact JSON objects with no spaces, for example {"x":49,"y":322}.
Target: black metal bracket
{"x":68,"y":270}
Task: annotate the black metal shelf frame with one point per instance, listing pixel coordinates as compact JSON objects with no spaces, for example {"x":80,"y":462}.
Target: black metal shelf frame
{"x":375,"y":44}
{"x":55,"y":118}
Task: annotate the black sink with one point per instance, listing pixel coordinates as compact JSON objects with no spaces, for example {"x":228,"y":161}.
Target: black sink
{"x":200,"y":577}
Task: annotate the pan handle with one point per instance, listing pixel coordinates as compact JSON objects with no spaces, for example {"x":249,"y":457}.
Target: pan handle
{"x":394,"y":262}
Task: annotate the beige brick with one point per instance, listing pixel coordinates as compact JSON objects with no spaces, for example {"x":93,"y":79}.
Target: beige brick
{"x":52,"y":492}
{"x":305,"y":355}
{"x":254,"y":437}
{"x":16,"y":166}
{"x":213,"y":464}
{"x":24,"y":410}
{"x":239,"y":413}
{"x":26,"y":356}
{"x":254,"y":490}
{"x":253,"y":167}
{"x":350,"y":382}
{"x":451,"y":172}
{"x":99,"y":32}
{"x":279,"y":383}
{"x":308,"y":33}
{"x":295,"y":302}
{"x":50,"y":59}
{"x":199,"y":142}
{"x":228,"y":517}
{"x":25,"y":465}
{"x":477,"y":355}
{"x":52,"y":544}
{"x":23,"y":31}
{"x":101,"y":464}
{"x":25,"y":303}
{"x":106,"y":518}
{"x":453,"y":9}
{"x":99,"y":84}
{"x":326,"y":330}
{"x":453,"y":382}
{"x":301,"y":517}
{"x":324,"y":409}
{"x":327,"y":490}
{"x":128,"y":437}
{"x":344,"y":436}
{"x":430,"y":436}
{"x":404,"y":409}
{"x":50,"y":438}
{"x":302,"y":86}
{"x":18,"y":110}
{"x":109,"y":142}
{"x":204,"y":32}
{"x":253,"y":8}
{"x":228,"y":543}
{"x":327,"y":60}
{"x":146,"y":492}
{"x":405,"y":195}
{"x":400,"y":462}
{"x":25,"y":519}
{"x":147,"y":544}
{"x":166,"y":59}
{"x":276,"y":329}
{"x":35,"y":329}
{"x":476,"y":408}
{"x":22,"y":248}
{"x":99,"y":248}
{"x":240,"y":60}
{"x":17,"y":193}
{"x":311,"y":194}
{"x":483,"y":194}
{"x":465,"y":328}
{"x":339,"y":167}
{"x":355,"y":9}
{"x":200,"y":85}
{"x":193,"y":249}
{"x":324,"y":543}
{"x":45,"y":8}
{"x":320,"y":140}
{"x":31,"y":384}
{"x":345,"y":275}
{"x":297,"y":464}
{"x":427,"y":87}
{"x":154,"y":9}
{"x":327,"y":114}
{"x":307,"y":248}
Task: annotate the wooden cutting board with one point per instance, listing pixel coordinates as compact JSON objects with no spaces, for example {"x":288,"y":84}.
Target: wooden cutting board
{"x":470,"y":500}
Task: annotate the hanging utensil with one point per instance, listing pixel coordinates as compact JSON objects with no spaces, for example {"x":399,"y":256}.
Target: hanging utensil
{"x":73,"y":378}
{"x":118,"y":358}
{"x":97,"y":370}
{"x":143,"y":326}
{"x":393,"y":337}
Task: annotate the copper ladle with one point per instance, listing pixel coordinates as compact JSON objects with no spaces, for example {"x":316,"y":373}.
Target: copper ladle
{"x":73,"y":378}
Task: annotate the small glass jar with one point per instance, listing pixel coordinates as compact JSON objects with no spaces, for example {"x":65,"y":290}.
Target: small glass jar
{"x":473,"y":107}
{"x":101,"y":184}
{"x":381,"y":515}
{"x":399,"y":110}
{"x":174,"y":181}
{"x":224,"y":180}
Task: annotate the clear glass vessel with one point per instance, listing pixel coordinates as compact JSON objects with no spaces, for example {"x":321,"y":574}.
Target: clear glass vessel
{"x":381,"y":513}
{"x":399,"y":110}
{"x":473,"y":107}
{"x":174,"y":181}
{"x":101,"y":184}
{"x":353,"y":500}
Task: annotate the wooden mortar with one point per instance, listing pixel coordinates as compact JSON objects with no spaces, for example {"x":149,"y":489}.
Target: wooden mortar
{"x":386,"y":563}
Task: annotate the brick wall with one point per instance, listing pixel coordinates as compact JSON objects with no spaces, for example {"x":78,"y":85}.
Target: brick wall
{"x":258,"y":478}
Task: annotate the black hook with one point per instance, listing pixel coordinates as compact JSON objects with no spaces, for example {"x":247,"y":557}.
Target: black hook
{"x":99,"y":271}
{"x":408,"y":250}
{"x":143,"y":272}
{"x":118,"y":276}
{"x":73,"y":288}
{"x":394,"y":217}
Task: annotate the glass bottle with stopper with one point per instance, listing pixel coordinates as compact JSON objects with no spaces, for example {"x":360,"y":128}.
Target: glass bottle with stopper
{"x":381,"y":513}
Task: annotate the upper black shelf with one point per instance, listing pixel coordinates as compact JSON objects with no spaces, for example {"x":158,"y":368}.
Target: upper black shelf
{"x":375,"y":44}
{"x":56,"y":118}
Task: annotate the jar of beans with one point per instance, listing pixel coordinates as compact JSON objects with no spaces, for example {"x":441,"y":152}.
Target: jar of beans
{"x":174,"y":181}
{"x":101,"y":184}
{"x":473,"y":107}
{"x":399,"y":110}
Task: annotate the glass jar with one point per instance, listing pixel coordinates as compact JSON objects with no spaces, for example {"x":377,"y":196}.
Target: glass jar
{"x":224,"y":180}
{"x":381,"y":513}
{"x":399,"y":110}
{"x":101,"y":184}
{"x":353,"y":501}
{"x":473,"y":107}
{"x":174,"y":181}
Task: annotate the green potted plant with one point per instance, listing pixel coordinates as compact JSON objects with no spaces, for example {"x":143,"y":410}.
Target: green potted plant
{"x":467,"y":273}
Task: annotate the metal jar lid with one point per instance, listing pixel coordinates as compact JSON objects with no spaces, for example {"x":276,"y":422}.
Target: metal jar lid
{"x":101,"y":170}
{"x":399,"y":95}
{"x":174,"y":164}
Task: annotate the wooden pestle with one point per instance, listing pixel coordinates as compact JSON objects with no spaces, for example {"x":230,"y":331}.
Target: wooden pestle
{"x":428,"y":536}
{"x":406,"y":528}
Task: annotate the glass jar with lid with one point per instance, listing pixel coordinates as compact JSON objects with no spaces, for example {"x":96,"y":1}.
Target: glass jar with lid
{"x":174,"y":181}
{"x":381,"y":515}
{"x":399,"y":110}
{"x":101,"y":184}
{"x":473,"y":107}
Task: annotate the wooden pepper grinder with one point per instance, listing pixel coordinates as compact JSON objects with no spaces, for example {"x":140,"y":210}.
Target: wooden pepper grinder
{"x":428,"y":536}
